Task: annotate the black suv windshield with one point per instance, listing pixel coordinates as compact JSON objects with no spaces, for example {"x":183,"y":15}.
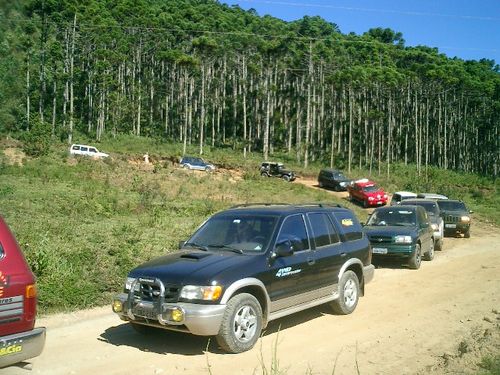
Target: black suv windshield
{"x":243,"y":233}
{"x":452,"y":205}
{"x":395,"y":217}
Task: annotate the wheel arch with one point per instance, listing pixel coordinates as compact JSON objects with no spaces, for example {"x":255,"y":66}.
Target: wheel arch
{"x":355,"y":265}
{"x":252,"y":286}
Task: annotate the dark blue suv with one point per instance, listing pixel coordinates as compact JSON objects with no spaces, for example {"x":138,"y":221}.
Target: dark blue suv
{"x":247,"y":266}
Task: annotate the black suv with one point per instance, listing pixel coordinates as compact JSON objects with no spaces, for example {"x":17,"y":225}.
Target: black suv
{"x":271,"y":169}
{"x":247,"y":266}
{"x":333,"y":178}
{"x":456,"y":217}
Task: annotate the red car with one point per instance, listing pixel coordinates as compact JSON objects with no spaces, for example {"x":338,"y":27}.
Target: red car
{"x":19,"y":340}
{"x":368,"y":193}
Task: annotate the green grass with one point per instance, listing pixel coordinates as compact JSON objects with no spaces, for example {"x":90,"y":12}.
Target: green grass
{"x":83,"y":224}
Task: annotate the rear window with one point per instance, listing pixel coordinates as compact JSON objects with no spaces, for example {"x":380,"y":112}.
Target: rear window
{"x":76,"y":147}
{"x":350,"y":225}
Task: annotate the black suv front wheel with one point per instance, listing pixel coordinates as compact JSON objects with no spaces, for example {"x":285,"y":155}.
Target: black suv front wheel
{"x":348,"y":294}
{"x":241,"y":324}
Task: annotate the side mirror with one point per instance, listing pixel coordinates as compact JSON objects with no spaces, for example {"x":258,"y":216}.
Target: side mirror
{"x":181,"y":244}
{"x":283,"y":249}
{"x":471,"y":212}
{"x":362,"y":223}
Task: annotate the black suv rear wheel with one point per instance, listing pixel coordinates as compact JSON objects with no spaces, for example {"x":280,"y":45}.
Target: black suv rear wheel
{"x":348,"y":294}
{"x":241,"y":324}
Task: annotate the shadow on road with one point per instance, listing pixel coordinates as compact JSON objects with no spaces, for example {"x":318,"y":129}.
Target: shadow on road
{"x":162,"y":341}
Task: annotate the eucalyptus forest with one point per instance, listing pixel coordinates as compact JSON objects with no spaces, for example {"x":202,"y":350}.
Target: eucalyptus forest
{"x":206,"y":74}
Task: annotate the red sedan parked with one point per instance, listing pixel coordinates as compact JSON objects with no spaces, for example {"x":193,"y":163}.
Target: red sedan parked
{"x":368,"y":193}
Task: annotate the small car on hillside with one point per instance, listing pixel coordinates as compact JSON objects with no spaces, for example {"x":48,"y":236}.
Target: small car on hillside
{"x":19,"y":339}
{"x":333,"y":178}
{"x":456,"y":217}
{"x":273,"y":169}
{"x":367,"y":193}
{"x":399,"y":196}
{"x":85,"y":150}
{"x":435,"y":218}
{"x":247,"y":266}
{"x":401,"y":231}
{"x":195,"y":163}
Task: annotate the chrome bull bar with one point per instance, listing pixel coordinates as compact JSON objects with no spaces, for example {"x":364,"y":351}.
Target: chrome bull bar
{"x":134,"y":301}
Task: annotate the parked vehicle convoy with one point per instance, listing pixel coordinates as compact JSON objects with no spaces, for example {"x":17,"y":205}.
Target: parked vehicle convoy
{"x":401,"y":231}
{"x":273,"y":169}
{"x":195,"y":163}
{"x":367,"y":193}
{"x":333,"y":178}
{"x":85,"y":150}
{"x":400,"y":196}
{"x":456,"y":217}
{"x":247,"y":266}
{"x":435,"y":218}
{"x":19,"y":339}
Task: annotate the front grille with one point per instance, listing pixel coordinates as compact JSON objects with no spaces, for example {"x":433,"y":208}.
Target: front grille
{"x":451,"y":219}
{"x":380,"y":239}
{"x":11,"y":308}
{"x":151,"y":292}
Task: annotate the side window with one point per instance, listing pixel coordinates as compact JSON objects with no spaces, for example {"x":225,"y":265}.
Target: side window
{"x":92,"y":149}
{"x":75,"y":147}
{"x":323,"y":231}
{"x":350,"y":225}
{"x":294,"y":230}
{"x":84,"y":149}
{"x":2,"y":251}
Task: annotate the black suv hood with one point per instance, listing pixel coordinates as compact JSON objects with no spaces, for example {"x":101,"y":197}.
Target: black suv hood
{"x":191,"y":266}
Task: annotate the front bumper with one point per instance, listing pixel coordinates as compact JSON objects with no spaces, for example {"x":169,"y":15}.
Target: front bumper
{"x":456,"y":227}
{"x":381,"y":249}
{"x":21,"y":346}
{"x":377,"y":202}
{"x":198,"y":319}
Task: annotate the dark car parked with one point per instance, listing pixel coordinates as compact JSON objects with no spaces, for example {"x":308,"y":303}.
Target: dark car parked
{"x":435,"y":218}
{"x":333,"y":178}
{"x":456,"y":217}
{"x":401,"y":231}
{"x":272,"y":169}
{"x":247,"y":266}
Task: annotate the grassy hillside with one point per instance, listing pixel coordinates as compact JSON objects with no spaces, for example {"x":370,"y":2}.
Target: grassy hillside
{"x":83,"y":224}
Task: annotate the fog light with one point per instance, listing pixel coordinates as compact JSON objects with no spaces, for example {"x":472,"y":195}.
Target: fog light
{"x":177,"y":315}
{"x":117,"y":306}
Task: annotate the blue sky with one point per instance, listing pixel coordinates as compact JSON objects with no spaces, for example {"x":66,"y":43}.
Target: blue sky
{"x":468,"y":29}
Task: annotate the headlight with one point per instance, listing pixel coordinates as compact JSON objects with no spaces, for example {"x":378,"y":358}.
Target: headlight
{"x":128,"y":283}
{"x":386,"y":196}
{"x":371,"y":198}
{"x":205,"y":293}
{"x":465,"y":219}
{"x":434,"y":226}
{"x":343,"y":184}
{"x":402,"y":239}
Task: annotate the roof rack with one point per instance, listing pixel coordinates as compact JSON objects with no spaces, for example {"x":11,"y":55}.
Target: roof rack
{"x":289,"y":204}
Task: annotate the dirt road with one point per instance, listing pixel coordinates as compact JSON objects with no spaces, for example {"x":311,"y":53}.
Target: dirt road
{"x":409,"y":322}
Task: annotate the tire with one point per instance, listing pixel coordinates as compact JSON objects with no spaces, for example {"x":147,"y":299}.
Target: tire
{"x":321,"y":185}
{"x":241,"y":324}
{"x":439,"y":245}
{"x":286,"y":178}
{"x":337,"y":188}
{"x":467,"y":233}
{"x":264,"y":174}
{"x":430,"y":254}
{"x":185,"y":166}
{"x":416,"y":258}
{"x":142,"y":329}
{"x":348,"y":294}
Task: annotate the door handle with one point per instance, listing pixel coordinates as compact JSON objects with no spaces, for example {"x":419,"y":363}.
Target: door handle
{"x":311,"y":261}
{"x":343,"y":254}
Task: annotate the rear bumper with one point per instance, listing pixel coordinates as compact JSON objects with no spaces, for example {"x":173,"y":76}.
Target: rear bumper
{"x":21,"y":346}
{"x":368,"y":273}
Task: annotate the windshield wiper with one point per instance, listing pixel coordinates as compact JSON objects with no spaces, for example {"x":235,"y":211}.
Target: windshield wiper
{"x":196,"y":245}
{"x":227,"y":247}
